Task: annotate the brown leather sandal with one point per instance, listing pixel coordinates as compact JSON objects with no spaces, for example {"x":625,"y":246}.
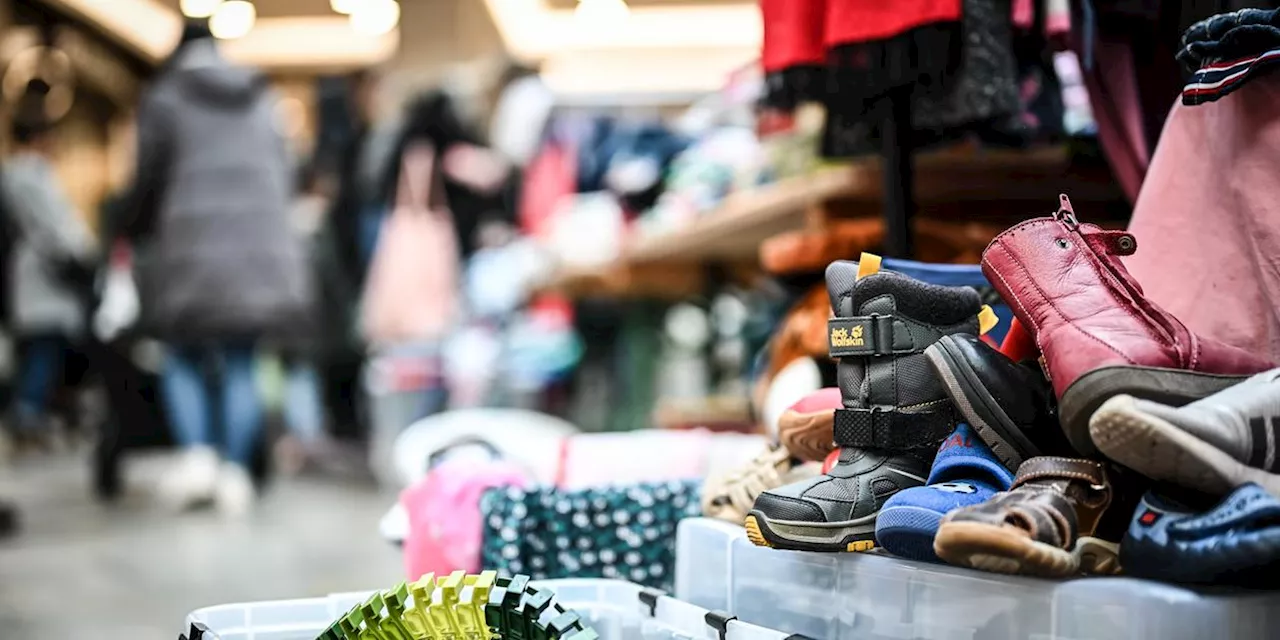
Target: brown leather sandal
{"x":1046,"y":525}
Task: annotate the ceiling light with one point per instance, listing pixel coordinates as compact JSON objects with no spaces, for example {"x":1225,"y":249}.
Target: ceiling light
{"x":595,"y":14}
{"x":198,"y":8}
{"x":344,"y":7}
{"x":233,"y":19}
{"x":375,"y":17}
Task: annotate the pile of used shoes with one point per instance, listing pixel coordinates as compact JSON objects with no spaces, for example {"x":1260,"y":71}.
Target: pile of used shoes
{"x":943,"y":448}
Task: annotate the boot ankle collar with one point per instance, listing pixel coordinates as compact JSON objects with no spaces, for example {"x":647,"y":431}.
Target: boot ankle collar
{"x":892,"y":430}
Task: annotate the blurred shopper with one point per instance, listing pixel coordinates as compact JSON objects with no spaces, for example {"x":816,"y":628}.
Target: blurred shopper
{"x":220,"y":268}
{"x":344,"y":247}
{"x":307,"y":443}
{"x":48,"y":272}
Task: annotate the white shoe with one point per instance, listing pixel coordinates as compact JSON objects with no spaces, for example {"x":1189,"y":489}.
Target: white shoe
{"x":235,"y":493}
{"x":191,"y":481}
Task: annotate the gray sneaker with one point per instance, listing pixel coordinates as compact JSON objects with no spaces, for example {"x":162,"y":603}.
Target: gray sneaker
{"x":1212,"y":445}
{"x":896,"y":412}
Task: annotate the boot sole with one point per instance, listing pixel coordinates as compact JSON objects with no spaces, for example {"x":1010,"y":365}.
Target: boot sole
{"x":1174,"y":387}
{"x":1161,"y":451}
{"x":808,"y":436}
{"x":854,"y":535}
{"x":979,"y":407}
{"x":1004,"y":549}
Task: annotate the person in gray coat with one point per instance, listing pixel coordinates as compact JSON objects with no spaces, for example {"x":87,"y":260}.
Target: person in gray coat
{"x":47,"y":312}
{"x":220,"y":268}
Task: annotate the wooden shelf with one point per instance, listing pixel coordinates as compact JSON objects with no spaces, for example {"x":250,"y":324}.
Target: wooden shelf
{"x":956,"y":184}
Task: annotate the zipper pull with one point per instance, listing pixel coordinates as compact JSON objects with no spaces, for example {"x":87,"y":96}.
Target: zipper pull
{"x":1065,"y":214}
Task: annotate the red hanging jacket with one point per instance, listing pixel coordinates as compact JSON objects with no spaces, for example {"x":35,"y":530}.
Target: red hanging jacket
{"x":793,"y":31}
{"x":853,"y":21}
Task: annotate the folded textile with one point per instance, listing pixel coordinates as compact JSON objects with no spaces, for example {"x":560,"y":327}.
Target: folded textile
{"x":1223,"y":52}
{"x":620,"y":532}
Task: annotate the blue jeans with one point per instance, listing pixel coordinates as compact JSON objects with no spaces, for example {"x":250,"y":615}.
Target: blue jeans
{"x":303,"y":408}
{"x":38,"y":374}
{"x":208,"y":385}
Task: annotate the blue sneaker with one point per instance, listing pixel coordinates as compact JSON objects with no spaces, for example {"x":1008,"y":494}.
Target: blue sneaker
{"x":964,"y":473}
{"x":1235,"y":542}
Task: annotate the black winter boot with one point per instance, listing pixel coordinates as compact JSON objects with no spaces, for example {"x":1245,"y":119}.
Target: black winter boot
{"x":1010,"y":405}
{"x":896,"y":412}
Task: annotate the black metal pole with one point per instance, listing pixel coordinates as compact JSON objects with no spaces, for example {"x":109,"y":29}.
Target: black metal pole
{"x":899,"y":177}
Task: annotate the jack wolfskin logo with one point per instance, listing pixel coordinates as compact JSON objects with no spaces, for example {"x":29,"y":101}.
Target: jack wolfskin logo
{"x":842,"y":337}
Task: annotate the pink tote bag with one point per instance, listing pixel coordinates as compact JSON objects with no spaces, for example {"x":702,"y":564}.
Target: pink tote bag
{"x":412,"y":288}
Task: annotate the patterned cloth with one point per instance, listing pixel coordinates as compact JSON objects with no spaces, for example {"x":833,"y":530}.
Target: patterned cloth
{"x":625,"y":532}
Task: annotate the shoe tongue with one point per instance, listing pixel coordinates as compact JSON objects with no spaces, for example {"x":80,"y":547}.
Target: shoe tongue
{"x":964,"y":456}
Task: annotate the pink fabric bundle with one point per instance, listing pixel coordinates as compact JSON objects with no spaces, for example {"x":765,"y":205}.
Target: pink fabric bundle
{"x":1208,"y":218}
{"x":444,"y":514}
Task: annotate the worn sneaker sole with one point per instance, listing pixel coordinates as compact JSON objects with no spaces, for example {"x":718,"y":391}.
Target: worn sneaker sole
{"x":1174,"y":387}
{"x":808,"y":436}
{"x":979,"y":408}
{"x":854,"y":535}
{"x":1006,"y":549}
{"x":908,"y":532}
{"x":1161,"y":451}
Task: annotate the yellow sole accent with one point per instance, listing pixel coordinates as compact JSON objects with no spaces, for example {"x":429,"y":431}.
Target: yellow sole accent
{"x":861,"y":545}
{"x":753,"y":532}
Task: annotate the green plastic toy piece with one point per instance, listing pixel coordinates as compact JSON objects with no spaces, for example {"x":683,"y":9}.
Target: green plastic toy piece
{"x":514,"y":627}
{"x":493,"y":612}
{"x":469,"y":611}
{"x":416,"y":618}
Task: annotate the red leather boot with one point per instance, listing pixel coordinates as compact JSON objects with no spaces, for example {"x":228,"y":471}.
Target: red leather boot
{"x":1098,"y":335}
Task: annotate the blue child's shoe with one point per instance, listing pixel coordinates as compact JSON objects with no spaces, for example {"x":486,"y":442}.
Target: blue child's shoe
{"x":964,"y":473}
{"x":1235,"y":542}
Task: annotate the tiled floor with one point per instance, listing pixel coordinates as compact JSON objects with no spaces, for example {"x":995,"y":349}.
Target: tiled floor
{"x":132,"y":572}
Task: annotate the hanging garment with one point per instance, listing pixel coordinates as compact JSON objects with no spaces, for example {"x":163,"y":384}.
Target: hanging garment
{"x":620,"y":532}
{"x":412,"y":288}
{"x":956,"y":74}
{"x":1223,"y":52}
{"x":1208,"y":219}
{"x":793,"y":55}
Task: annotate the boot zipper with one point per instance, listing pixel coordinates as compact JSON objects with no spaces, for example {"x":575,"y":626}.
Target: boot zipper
{"x":1066,"y":215}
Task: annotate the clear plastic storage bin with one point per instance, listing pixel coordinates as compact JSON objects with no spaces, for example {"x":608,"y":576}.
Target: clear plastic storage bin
{"x":859,"y":596}
{"x":617,"y":610}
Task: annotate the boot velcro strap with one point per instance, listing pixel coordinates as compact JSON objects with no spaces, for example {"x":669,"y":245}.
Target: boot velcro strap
{"x":874,"y":335}
{"x":895,"y":430}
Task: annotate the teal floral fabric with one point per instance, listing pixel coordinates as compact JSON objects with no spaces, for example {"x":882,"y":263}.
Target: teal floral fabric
{"x":625,"y":532}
